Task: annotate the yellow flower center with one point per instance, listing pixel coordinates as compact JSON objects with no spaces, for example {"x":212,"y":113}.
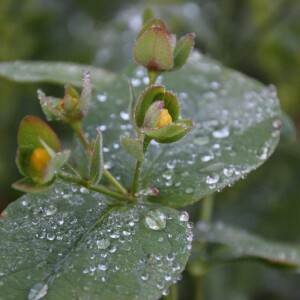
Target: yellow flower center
{"x":164,"y":119}
{"x":39,"y":159}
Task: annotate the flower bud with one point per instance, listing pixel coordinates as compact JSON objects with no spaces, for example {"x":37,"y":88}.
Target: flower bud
{"x":158,"y":51}
{"x":164,"y":119}
{"x":157,"y":115}
{"x":38,"y":156}
{"x":39,"y":160}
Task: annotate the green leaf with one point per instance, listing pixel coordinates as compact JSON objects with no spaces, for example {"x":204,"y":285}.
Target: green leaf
{"x":235,"y":130}
{"x":170,"y":133}
{"x":133,"y":147}
{"x":242,"y":244}
{"x":96,"y":167}
{"x":56,"y":72}
{"x":74,"y":244}
{"x":182,"y":50}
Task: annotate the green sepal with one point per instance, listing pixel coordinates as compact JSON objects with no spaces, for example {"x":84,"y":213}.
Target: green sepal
{"x":134,"y":147}
{"x":182,"y":50}
{"x":56,"y":162}
{"x":50,"y":107}
{"x":28,"y":186}
{"x":153,"y":50}
{"x":32,"y":131}
{"x":153,"y":114}
{"x":150,"y":95}
{"x":170,"y":133}
{"x":152,"y":23}
{"x":86,"y":93}
{"x":148,"y":14}
{"x":97,"y":165}
{"x":172,"y":105}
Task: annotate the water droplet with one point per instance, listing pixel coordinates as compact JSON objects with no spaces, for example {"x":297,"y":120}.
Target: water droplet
{"x":145,"y":276}
{"x":50,"y":236}
{"x":38,"y":291}
{"x":277,"y":124}
{"x":228,"y":172}
{"x":50,"y":209}
{"x":221,"y":133}
{"x":124,"y":115}
{"x":212,"y":179}
{"x":184,"y":216}
{"x":189,"y":190}
{"x":263,"y":153}
{"x":156,"y":220}
{"x":102,"y":267}
{"x":201,"y":141}
{"x":102,"y":243}
{"x":102,"y":97}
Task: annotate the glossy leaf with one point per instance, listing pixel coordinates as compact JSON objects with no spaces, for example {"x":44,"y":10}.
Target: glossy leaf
{"x":56,"y":72}
{"x":239,"y":243}
{"x":235,"y":130}
{"x":68,"y":243}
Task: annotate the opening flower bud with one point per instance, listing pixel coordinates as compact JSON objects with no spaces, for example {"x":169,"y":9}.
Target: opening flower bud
{"x":164,"y":119}
{"x":39,"y":160}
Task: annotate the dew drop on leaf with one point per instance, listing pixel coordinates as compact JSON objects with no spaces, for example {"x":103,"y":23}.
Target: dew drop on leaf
{"x":102,"y":244}
{"x":156,"y":220}
{"x":38,"y":291}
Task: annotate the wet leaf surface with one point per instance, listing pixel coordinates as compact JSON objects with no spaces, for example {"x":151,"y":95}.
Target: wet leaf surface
{"x":71,"y":243}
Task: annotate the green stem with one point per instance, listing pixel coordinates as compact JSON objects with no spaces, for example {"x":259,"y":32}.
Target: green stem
{"x":136,"y":178}
{"x":205,"y":215}
{"x":97,"y":188}
{"x":86,"y":144}
{"x":114,"y":182}
{"x":173,"y":293}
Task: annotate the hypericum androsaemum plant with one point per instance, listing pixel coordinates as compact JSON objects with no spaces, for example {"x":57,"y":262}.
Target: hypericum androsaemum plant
{"x":104,"y":225}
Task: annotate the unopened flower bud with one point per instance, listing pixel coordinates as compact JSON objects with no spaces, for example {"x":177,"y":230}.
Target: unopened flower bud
{"x":39,"y":160}
{"x":164,"y":119}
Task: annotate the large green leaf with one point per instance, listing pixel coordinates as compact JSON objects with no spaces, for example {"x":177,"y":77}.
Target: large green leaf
{"x":69,"y":243}
{"x":56,"y":72}
{"x":237,"y":129}
{"x":239,"y":243}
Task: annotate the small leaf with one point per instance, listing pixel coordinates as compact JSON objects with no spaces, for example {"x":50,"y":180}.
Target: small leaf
{"x":97,"y":166}
{"x":170,"y":133}
{"x":133,"y":147}
{"x":182,"y":50}
{"x":28,"y":186}
{"x":242,"y":244}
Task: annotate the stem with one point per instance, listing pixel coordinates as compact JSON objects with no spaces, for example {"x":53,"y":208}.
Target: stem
{"x":136,"y":178}
{"x":86,"y":144}
{"x":97,"y":188}
{"x":173,"y":293}
{"x":205,"y":215}
{"x":76,"y":126}
{"x":114,"y":182}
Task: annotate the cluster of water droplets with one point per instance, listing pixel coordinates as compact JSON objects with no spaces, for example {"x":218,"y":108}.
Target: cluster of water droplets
{"x":237,"y":125}
{"x":120,"y":248}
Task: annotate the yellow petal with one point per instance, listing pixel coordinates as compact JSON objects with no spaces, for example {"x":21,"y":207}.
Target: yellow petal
{"x":164,"y":119}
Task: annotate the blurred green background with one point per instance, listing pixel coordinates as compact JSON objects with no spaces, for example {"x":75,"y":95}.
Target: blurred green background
{"x":260,"y":38}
